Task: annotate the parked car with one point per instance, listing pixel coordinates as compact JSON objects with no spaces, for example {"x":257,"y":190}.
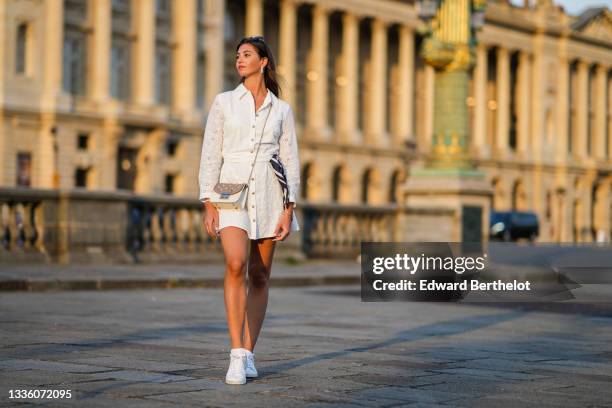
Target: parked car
{"x":512,"y":225}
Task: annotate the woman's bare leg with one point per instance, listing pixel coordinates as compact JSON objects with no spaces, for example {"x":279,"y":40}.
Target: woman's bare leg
{"x":260,"y":266}
{"x":235,"y":242}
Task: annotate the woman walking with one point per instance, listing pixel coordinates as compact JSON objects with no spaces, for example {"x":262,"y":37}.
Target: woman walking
{"x":250,"y":138}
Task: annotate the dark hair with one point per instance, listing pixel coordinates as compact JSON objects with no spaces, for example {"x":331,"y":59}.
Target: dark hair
{"x":269,"y":73}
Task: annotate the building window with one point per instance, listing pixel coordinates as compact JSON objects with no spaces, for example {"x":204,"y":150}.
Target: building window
{"x":80,"y":177}
{"x":163,"y":51}
{"x":120,"y":50}
{"x":336,"y":184}
{"x":571,"y":118}
{"x":162,"y":6}
{"x":591,"y":83}
{"x":171,"y":147}
{"x":304,"y":34}
{"x":364,"y":70}
{"x":306,"y":181}
{"x":200,"y":56}
{"x":83,"y":141}
{"x":170,"y":183}
{"x":74,"y":65}
{"x":22,"y":50}
{"x":75,"y":50}
{"x":548,"y":205}
{"x":162,"y":76}
{"x":233,"y":31}
{"x":514,"y":66}
{"x":24,"y":169}
{"x":120,"y":70}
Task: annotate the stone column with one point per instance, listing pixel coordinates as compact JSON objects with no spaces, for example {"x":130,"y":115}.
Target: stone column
{"x":601,"y":211}
{"x":288,"y":43}
{"x":503,"y":102}
{"x":582,"y":118}
{"x":99,"y":79}
{"x":254,"y":17}
{"x":214,"y":11}
{"x":184,"y":59}
{"x":349,"y":78}
{"x":3,"y":151}
{"x":111,"y":131}
{"x":52,"y":53}
{"x":562,"y":110}
{"x":377,"y":111}
{"x":143,"y":68}
{"x":538,"y":91}
{"x":430,"y":82}
{"x":601,"y":117}
{"x":45,"y":174}
{"x":316,"y":92}
{"x":52,"y":89}
{"x":609,"y":115}
{"x":479,"y":140}
{"x":403,"y":114}
{"x":524,"y":103}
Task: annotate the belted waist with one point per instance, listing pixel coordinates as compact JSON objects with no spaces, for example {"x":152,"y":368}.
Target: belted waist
{"x":247,"y":157}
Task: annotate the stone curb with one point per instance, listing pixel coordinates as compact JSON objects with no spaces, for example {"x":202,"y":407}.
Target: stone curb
{"x":45,"y":285}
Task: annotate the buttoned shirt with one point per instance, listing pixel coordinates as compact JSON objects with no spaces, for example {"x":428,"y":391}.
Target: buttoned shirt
{"x":231,"y":136}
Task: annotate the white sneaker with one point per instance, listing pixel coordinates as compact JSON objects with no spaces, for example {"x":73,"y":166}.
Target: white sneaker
{"x":236,"y":373}
{"x":251,"y":371}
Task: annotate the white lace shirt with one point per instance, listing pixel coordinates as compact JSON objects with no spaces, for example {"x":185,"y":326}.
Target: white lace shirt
{"x":231,"y":135}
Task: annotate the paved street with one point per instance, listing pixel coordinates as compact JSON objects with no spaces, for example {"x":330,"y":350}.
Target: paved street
{"x":320,"y":346}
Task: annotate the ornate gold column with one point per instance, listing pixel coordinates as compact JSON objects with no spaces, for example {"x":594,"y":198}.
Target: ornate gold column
{"x":429,"y":100}
{"x":348,"y":79}
{"x":144,"y":53}
{"x":288,"y":43}
{"x":316,"y":92}
{"x":254,"y":17}
{"x":184,"y":59}
{"x":449,"y":182}
{"x":99,"y":79}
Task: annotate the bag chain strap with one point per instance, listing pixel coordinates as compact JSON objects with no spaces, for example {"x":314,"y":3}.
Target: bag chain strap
{"x":260,"y":137}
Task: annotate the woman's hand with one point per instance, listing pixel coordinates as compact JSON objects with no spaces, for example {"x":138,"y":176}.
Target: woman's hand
{"x":283,"y":228}
{"x":211,"y":219}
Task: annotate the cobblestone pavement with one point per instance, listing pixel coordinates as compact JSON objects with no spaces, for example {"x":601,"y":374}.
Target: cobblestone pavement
{"x":320,"y":346}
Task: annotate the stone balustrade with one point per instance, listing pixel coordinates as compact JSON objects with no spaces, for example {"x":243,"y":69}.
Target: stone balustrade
{"x":81,"y":226}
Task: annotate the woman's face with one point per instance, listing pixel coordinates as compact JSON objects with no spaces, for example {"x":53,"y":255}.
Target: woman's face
{"x":248,"y":61}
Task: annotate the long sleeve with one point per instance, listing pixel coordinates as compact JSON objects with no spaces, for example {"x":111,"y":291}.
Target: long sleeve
{"x":288,"y":153}
{"x":210,"y":160}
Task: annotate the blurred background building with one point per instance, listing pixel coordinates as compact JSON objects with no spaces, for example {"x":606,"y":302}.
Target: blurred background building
{"x":105,"y":98}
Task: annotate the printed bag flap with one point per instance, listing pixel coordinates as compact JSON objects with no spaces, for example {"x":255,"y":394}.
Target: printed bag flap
{"x":228,"y":188}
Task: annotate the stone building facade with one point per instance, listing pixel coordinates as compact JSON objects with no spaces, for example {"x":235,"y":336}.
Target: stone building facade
{"x":113,"y":94}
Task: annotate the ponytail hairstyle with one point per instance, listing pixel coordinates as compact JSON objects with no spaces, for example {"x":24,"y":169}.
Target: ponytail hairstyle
{"x":269,"y":71}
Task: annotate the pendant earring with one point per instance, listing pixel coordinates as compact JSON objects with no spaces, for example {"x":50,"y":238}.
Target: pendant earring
{"x":261,"y":70}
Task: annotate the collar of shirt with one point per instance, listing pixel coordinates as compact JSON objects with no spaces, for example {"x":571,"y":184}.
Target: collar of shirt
{"x":242,"y":90}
